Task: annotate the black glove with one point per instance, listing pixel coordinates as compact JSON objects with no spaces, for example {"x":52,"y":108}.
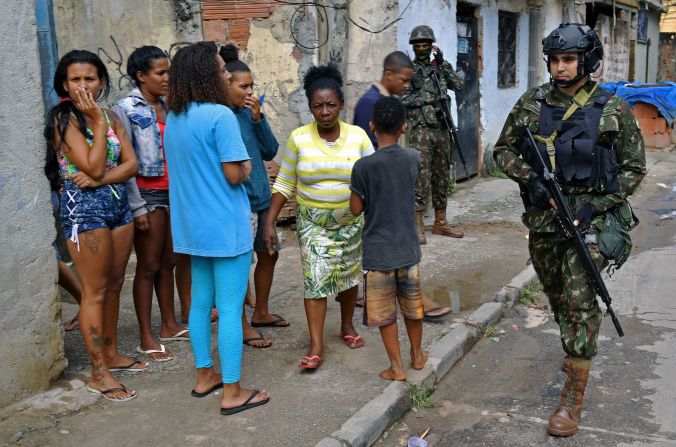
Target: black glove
{"x":584,"y":216}
{"x":539,"y":193}
{"x":439,"y":57}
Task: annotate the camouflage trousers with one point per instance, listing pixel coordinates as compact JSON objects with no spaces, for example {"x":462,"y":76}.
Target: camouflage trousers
{"x":571,"y":295}
{"x":434,"y":146}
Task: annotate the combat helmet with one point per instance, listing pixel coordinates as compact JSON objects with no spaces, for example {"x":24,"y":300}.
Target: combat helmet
{"x":422,"y":33}
{"x":575,"y":38}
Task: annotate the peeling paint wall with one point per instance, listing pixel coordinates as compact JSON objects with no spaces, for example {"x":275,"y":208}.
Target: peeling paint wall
{"x":113,"y":29}
{"x":366,"y":51}
{"x":32,"y":335}
{"x":667,"y":64}
{"x":648,"y":56}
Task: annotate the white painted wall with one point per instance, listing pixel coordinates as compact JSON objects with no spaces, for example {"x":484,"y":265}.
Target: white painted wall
{"x":497,"y":102}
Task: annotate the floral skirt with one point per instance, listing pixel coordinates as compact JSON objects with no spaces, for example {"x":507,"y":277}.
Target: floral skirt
{"x":330,"y":249}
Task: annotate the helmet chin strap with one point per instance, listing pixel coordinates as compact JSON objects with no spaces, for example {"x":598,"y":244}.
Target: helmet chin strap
{"x":580,"y":74}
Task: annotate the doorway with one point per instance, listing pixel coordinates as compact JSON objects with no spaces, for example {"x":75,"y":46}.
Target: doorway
{"x":468,"y":99}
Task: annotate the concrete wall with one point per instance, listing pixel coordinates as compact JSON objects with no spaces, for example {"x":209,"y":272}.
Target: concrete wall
{"x":32,"y":335}
{"x":113,"y":29}
{"x":667,"y":62}
{"x":648,"y":56}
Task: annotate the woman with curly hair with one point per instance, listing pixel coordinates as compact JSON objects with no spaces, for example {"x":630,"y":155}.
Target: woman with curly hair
{"x":144,"y":113}
{"x":316,"y":164}
{"x":88,"y":149}
{"x":210,"y":218}
{"x":261,"y":145}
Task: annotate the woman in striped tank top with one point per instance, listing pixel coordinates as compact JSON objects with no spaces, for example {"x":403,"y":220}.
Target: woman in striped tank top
{"x":316,"y":164}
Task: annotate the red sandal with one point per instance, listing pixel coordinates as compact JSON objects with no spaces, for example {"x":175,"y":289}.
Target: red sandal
{"x":353,"y":342}
{"x":308,"y":359}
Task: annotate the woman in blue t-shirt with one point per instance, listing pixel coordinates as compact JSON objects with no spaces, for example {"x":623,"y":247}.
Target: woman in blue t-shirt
{"x":210,"y":218}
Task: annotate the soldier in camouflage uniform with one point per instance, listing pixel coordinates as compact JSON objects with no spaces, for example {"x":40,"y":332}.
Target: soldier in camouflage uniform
{"x":427,"y":133}
{"x":598,"y":167}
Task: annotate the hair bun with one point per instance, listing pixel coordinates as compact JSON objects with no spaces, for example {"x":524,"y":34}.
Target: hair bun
{"x":329,"y":71}
{"x":229,"y":53}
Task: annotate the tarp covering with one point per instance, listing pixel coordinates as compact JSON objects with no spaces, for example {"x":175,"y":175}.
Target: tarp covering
{"x":662,"y":95}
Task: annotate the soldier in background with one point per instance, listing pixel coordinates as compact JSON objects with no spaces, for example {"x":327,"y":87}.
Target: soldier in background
{"x":427,"y":133}
{"x":591,"y":141}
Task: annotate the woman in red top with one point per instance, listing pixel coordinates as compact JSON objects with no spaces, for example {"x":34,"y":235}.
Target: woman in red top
{"x":144,"y":112}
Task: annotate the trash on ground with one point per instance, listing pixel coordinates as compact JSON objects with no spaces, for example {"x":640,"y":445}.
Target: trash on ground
{"x":415,"y":441}
{"x":515,"y":327}
{"x":495,"y":339}
{"x":662,"y":185}
{"x":670,"y":215}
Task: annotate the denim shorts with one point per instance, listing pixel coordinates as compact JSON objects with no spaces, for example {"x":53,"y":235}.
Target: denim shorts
{"x":259,"y":242}
{"x":155,"y":198}
{"x":84,"y":209}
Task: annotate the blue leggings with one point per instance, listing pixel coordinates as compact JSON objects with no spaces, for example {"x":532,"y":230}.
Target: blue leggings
{"x":223,"y":281}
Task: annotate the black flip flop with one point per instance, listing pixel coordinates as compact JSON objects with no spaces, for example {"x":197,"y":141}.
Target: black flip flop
{"x":271,"y":323}
{"x":246,"y":405}
{"x":429,"y":318}
{"x":218,"y":386}
{"x":247,"y":341}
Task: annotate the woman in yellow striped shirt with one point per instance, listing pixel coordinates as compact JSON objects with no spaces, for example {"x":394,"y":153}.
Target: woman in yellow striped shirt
{"x":316,"y":164}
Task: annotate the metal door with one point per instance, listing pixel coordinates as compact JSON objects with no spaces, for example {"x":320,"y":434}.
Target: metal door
{"x":468,"y":99}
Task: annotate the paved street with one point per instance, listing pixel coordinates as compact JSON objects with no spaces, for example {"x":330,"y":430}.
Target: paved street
{"x":503,"y":391}
{"x":304,"y":408}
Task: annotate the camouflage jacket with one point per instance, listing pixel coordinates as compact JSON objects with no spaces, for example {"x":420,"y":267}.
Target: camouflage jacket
{"x":423,"y":88}
{"x":617,"y":128}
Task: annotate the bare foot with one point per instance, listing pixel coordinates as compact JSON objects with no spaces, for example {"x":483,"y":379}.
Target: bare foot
{"x":254,"y":339}
{"x":158,"y":356}
{"x":419,"y":361}
{"x":208,"y":382}
{"x":390,"y":374}
{"x":242,"y":396}
{"x":124,"y":362}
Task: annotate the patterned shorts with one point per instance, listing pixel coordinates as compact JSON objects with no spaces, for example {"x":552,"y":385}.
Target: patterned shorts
{"x":84,"y":209}
{"x":382,"y":290}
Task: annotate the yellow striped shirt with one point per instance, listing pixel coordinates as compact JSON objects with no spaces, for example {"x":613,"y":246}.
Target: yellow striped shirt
{"x":319,"y":174}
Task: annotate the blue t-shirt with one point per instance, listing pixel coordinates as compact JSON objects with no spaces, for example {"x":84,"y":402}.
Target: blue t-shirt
{"x":363,"y":111}
{"x":209,"y":216}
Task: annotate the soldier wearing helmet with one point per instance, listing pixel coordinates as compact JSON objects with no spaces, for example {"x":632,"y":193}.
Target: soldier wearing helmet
{"x":427,"y":133}
{"x":591,"y":141}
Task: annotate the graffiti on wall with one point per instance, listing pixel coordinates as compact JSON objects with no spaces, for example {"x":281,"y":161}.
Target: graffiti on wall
{"x":114,"y":58}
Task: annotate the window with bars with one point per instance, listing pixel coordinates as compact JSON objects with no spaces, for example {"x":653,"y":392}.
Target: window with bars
{"x":506,"y":49}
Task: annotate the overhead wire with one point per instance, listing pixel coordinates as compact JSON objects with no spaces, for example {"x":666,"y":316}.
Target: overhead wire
{"x":322,"y":15}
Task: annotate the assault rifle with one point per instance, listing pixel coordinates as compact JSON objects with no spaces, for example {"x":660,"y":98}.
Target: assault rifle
{"x":565,"y":220}
{"x":448,"y":119}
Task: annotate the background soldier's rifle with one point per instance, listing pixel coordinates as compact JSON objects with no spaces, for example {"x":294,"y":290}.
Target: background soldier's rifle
{"x":448,"y":119}
{"x":565,"y":220}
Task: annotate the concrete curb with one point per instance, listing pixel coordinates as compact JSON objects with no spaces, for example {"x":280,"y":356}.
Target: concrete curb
{"x":365,"y":426}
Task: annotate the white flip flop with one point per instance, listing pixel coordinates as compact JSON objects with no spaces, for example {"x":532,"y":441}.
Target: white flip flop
{"x":155,"y":351}
{"x":178,"y":336}
{"x":105,"y":393}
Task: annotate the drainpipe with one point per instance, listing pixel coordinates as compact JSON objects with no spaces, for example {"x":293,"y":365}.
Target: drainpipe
{"x":49,"y":55}
{"x":647,"y":58}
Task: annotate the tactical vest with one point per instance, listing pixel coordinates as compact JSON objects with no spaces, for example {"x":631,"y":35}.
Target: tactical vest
{"x":580,"y":159}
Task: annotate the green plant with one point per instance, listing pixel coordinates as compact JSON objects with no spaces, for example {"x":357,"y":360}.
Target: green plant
{"x":532,"y":293}
{"x":497,"y":174}
{"x":421,"y":396}
{"x":490,"y":331}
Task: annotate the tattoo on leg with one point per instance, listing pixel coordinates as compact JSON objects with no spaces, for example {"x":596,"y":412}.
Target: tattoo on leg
{"x":92,"y":241}
{"x":97,"y":361}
